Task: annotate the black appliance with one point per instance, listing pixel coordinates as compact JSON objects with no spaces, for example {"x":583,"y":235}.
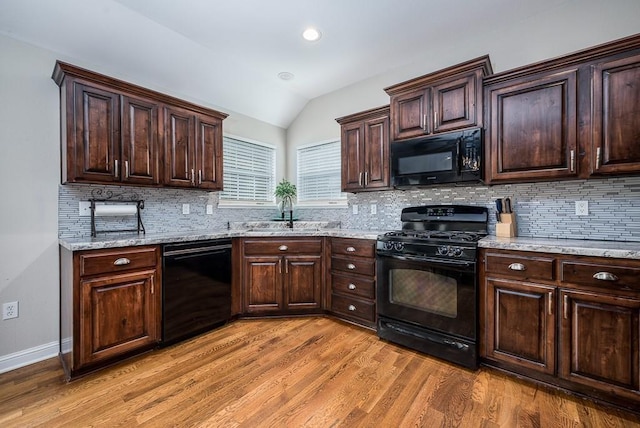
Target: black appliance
{"x":196,"y":288}
{"x":427,"y":281}
{"x":452,"y":157}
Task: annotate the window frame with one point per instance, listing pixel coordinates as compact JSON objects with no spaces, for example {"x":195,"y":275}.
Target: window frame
{"x":320,"y":203}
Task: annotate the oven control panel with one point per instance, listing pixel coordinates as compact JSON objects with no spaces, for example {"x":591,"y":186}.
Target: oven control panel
{"x":450,"y":251}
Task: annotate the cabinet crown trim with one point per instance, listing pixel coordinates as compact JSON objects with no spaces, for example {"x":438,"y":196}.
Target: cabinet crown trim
{"x":363,"y":115}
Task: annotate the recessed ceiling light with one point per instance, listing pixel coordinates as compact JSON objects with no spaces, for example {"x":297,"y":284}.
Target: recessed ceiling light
{"x":285,"y":75}
{"x":311,"y":34}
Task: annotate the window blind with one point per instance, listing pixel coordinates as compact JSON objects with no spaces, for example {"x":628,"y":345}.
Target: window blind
{"x":319,"y":169}
{"x":249,"y":171}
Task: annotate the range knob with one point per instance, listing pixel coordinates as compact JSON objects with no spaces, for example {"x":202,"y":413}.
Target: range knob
{"x":443,"y":250}
{"x":388,"y":246}
{"x":457,"y":251}
{"x":398,"y":246}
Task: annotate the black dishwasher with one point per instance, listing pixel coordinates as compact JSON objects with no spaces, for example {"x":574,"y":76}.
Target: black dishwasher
{"x":196,"y":285}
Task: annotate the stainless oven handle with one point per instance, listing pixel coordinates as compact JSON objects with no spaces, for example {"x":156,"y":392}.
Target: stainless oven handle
{"x":430,"y":260}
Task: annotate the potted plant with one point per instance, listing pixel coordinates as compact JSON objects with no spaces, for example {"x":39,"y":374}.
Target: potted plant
{"x":285,"y":191}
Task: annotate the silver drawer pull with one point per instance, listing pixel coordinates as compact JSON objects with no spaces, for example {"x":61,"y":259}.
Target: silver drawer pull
{"x":352,"y":286}
{"x":351,"y":250}
{"x":351,"y":266}
{"x":517,"y":266}
{"x":605,"y":276}
{"x":121,"y":261}
{"x":283,"y":248}
{"x":351,"y":308}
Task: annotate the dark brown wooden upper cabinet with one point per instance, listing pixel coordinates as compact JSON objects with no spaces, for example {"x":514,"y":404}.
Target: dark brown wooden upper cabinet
{"x":532,"y":127}
{"x":116,"y":132}
{"x":438,"y":102}
{"x":616,"y":116}
{"x":365,"y":150}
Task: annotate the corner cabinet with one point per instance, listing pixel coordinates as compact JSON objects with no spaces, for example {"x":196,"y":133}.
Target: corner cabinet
{"x":567,"y":118}
{"x":282,"y":275}
{"x":115,"y":132}
{"x":109,"y":305}
{"x":571,"y":321}
{"x":446,"y":100}
{"x":365,"y":150}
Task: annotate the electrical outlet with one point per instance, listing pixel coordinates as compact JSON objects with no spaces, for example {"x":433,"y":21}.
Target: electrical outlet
{"x":84,"y":208}
{"x":374,"y":209}
{"x":185,"y":208}
{"x":582,"y":208}
{"x":354,"y":209}
{"x":9,"y":310}
{"x":209,"y":209}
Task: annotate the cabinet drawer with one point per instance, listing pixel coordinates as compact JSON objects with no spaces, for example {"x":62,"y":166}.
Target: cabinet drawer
{"x":282,"y":246}
{"x":600,"y":274}
{"x":523,"y":267}
{"x":108,"y":261}
{"x":362,"y":266}
{"x":353,"y":247}
{"x":350,"y":307}
{"x":353,"y":286}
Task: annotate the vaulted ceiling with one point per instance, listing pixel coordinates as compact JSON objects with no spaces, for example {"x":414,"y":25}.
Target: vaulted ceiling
{"x":229,"y":53}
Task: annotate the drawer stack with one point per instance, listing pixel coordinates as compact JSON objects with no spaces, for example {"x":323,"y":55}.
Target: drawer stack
{"x":353,"y":281}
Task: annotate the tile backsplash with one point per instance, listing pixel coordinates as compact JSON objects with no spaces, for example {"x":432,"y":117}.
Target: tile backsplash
{"x":545,"y":210}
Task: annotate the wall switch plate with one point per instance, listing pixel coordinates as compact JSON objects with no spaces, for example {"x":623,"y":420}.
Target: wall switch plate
{"x":209,"y":209}
{"x":84,"y":208}
{"x":374,"y":209}
{"x":354,"y":209}
{"x":185,"y":208}
{"x":582,"y":208}
{"x":9,"y":310}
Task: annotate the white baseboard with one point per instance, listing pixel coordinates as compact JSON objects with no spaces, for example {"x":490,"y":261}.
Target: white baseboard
{"x":28,"y":356}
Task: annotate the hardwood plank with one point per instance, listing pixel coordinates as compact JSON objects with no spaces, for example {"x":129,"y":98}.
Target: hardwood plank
{"x":311,"y":371}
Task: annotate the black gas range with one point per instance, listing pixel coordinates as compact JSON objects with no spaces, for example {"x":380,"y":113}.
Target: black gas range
{"x":427,"y":281}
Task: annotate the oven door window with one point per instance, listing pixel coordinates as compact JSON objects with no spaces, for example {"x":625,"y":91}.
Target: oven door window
{"x":407,"y":288}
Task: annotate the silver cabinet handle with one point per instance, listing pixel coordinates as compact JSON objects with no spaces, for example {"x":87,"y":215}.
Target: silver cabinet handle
{"x":573,"y":160}
{"x":193,"y":177}
{"x":598,"y":158}
{"x":116,"y":170}
{"x":351,"y":266}
{"x":126,"y":169}
{"x":550,"y":302}
{"x":517,"y":266}
{"x":565,"y":311}
{"x":286,"y":266}
{"x":199,"y":176}
{"x":605,"y":276}
{"x":351,"y":308}
{"x":366,"y":178}
{"x":352,"y":287}
{"x":283,"y":248}
{"x":360,"y":179}
{"x":351,"y":250}
{"x":424,"y":122}
{"x":121,"y":261}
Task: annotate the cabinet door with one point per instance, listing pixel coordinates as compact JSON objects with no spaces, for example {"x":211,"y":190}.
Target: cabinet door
{"x":118,"y":314}
{"x":520,"y":324}
{"x":352,"y":146}
{"x":302,"y":282}
{"x":616,"y":122}
{"x":179,"y":148}
{"x":454,"y":104}
{"x":599,"y":342}
{"x":410,"y":114}
{"x":533,"y":129}
{"x":209,"y":152}
{"x":376,"y":137}
{"x":139,"y":141}
{"x":95,"y":141}
{"x":263,"y":284}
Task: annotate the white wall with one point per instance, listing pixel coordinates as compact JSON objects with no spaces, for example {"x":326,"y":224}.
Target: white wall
{"x":29,"y":179}
{"x":575,"y":25}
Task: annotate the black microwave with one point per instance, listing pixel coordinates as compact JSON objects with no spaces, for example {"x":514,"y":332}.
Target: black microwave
{"x":452,"y":157}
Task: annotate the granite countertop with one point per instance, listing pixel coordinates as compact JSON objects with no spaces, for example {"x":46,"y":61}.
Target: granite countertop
{"x":127,"y":240}
{"x":578,"y":247}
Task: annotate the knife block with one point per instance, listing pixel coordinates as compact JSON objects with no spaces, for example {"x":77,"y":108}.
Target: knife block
{"x":506,"y":228}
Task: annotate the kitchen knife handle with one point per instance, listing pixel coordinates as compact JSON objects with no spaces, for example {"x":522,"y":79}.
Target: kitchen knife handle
{"x":499,"y":205}
{"x":573,"y":160}
{"x":598,"y":153}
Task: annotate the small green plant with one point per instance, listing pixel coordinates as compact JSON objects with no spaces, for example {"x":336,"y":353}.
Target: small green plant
{"x":285,"y":191}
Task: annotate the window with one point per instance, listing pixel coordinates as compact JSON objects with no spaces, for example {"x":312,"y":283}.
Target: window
{"x":319,"y":175}
{"x":249,"y":172}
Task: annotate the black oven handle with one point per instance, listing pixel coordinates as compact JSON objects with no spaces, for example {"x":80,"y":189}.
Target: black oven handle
{"x":457,"y":263}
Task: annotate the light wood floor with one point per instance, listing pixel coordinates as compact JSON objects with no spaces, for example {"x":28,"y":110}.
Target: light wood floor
{"x":303,"y":372}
